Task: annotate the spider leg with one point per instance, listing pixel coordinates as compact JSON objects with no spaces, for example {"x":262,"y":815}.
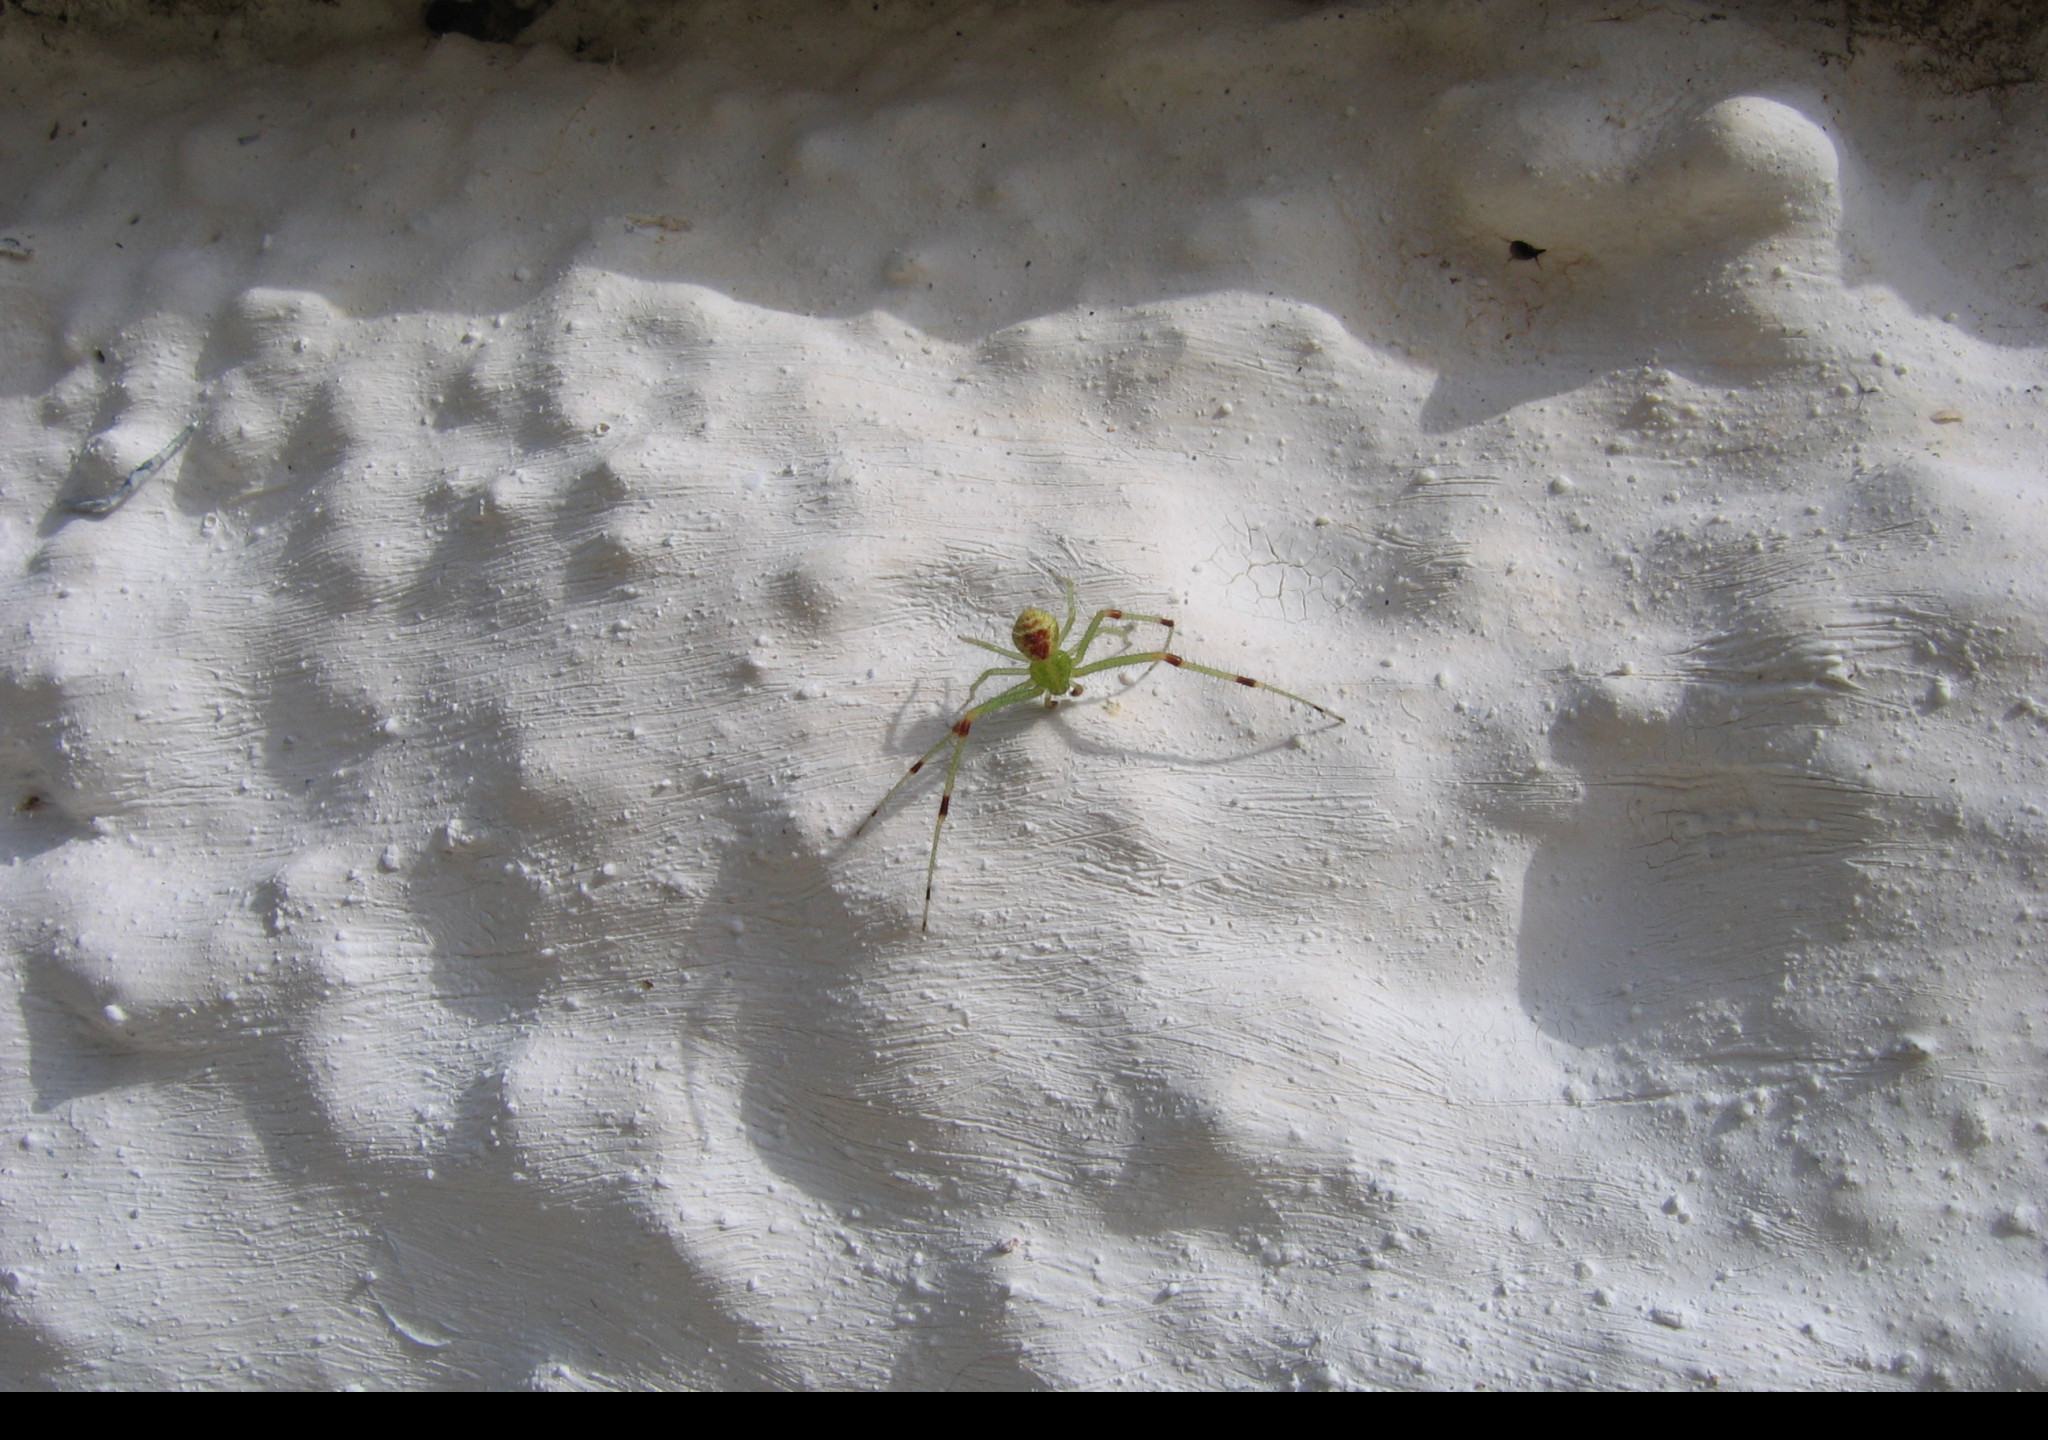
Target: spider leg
{"x":1088,"y":635}
{"x":1016,"y":695}
{"x":923,"y":759}
{"x":987,"y":675}
{"x":915,"y":766}
{"x":1068,"y":628}
{"x":1153,"y":657}
{"x":1003,"y":650}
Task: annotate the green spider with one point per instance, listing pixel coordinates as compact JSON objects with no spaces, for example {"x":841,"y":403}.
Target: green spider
{"x":1049,"y":670}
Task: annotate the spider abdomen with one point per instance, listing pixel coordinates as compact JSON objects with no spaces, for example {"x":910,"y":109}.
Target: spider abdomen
{"x":1035,"y":633}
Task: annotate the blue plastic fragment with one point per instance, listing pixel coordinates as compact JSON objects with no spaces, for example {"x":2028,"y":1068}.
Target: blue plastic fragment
{"x":107,"y":504}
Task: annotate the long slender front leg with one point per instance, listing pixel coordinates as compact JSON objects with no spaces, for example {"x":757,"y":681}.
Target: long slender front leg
{"x":1016,"y":695}
{"x":916,"y":765}
{"x":925,"y":758}
{"x":1088,"y":635}
{"x":1154,"y":657}
{"x":987,"y":675}
{"x":1003,"y":650}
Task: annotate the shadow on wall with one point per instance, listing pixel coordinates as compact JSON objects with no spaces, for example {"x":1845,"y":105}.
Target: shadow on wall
{"x":1519,"y":236}
{"x":851,"y":1104}
{"x":1714,"y":854}
{"x":1680,"y":899}
{"x":1719,"y":861}
{"x":1577,"y":238}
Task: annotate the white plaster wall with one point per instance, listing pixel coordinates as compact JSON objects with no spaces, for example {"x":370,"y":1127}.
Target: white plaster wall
{"x":435,"y":951}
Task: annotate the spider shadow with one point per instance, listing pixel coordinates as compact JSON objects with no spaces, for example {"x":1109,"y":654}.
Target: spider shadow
{"x":1008,"y":726}
{"x":1081,"y":744}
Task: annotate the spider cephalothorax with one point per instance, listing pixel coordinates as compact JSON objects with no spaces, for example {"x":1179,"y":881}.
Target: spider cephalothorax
{"x":1049,"y":670}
